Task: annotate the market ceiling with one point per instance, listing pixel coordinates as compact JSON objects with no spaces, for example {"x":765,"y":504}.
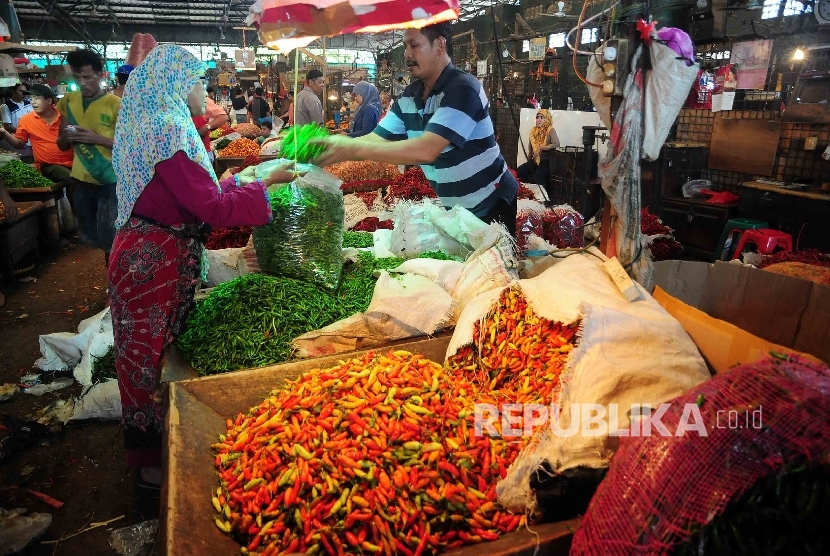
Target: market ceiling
{"x":182,"y":21}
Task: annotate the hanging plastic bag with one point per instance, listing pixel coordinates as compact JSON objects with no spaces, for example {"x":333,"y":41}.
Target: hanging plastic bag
{"x":667,"y":87}
{"x":305,"y":237}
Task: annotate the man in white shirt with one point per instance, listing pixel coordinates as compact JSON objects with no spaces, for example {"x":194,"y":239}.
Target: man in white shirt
{"x":12,"y":110}
{"x":15,"y":108}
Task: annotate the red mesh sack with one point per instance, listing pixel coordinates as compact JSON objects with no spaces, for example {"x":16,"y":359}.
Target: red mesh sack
{"x":563,"y":227}
{"x":527,"y":222}
{"x":660,"y":490}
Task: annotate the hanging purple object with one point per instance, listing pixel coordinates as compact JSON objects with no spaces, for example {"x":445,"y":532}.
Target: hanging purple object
{"x":679,"y":41}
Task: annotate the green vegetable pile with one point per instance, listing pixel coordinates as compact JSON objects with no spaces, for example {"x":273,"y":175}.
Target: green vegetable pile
{"x":18,"y":174}
{"x":358,"y":239}
{"x":221,"y":144}
{"x":103,"y":367}
{"x":783,"y":513}
{"x":252,"y":320}
{"x":296,"y":143}
{"x":305,"y":238}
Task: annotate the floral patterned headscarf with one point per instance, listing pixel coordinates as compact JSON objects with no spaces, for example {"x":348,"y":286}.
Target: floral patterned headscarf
{"x":155,"y":122}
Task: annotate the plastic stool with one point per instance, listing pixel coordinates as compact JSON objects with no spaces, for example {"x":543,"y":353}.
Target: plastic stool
{"x":766,"y":240}
{"x":732,"y":226}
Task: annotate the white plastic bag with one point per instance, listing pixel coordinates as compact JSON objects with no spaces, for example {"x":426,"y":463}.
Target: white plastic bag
{"x":224,"y":265}
{"x":67,"y":350}
{"x":17,"y":530}
{"x":424,"y":226}
{"x":102,"y":401}
{"x":667,"y":86}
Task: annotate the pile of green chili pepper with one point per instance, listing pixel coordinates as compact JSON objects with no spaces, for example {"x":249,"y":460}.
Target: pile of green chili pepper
{"x":221,"y":144}
{"x":358,"y":239}
{"x":305,"y":238}
{"x":17,"y":175}
{"x":252,"y":320}
{"x":783,"y":513}
{"x":296,"y":145}
{"x":103,"y":368}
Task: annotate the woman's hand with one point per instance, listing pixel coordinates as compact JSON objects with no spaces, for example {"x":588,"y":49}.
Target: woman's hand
{"x":281,"y":174}
{"x":248,"y":175}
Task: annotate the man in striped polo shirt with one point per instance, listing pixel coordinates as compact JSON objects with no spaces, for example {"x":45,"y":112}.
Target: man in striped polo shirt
{"x":442,"y":123}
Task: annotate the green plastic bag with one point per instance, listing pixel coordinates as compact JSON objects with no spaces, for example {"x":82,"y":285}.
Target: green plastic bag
{"x":305,"y":238}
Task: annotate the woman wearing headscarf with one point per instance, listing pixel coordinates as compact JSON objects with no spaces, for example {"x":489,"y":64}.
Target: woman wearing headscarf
{"x":542,"y":138}
{"x":367,"y":115}
{"x":166,"y":189}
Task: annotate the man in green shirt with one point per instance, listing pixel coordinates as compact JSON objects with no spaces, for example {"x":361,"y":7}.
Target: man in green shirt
{"x":88,"y":127}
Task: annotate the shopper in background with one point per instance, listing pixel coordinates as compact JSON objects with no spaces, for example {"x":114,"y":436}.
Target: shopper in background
{"x":216,"y":115}
{"x":15,"y":107}
{"x":266,"y":126}
{"x":442,"y":123}
{"x":87,"y":127}
{"x":122,"y":74}
{"x":258,"y":107}
{"x":366,"y":117}
{"x":398,"y":88}
{"x":166,"y":190}
{"x":309,"y":107}
{"x":289,"y":113}
{"x":542,"y":138}
{"x":240,"y":106}
{"x":385,"y":103}
{"x":41,"y":128}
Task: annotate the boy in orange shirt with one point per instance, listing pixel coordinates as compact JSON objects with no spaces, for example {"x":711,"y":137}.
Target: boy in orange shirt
{"x":41,"y":128}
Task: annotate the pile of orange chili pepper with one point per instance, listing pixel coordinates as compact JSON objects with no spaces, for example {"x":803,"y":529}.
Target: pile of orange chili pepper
{"x":240,"y":148}
{"x":517,"y":352}
{"x":377,"y":455}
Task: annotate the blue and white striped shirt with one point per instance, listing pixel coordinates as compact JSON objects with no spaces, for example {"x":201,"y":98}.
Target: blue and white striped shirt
{"x":470,"y":171}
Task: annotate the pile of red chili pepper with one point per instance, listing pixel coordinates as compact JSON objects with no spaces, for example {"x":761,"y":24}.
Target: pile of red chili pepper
{"x":661,"y":248}
{"x":368,"y":197}
{"x":806,"y":256}
{"x":525,"y":192}
{"x":527,"y":222}
{"x":516,"y":353}
{"x":250,"y":160}
{"x":226,"y":238}
{"x":365,"y":185}
{"x":412,"y":185}
{"x":377,"y":455}
{"x":650,"y":225}
{"x":372,"y":224}
{"x":563,"y":226}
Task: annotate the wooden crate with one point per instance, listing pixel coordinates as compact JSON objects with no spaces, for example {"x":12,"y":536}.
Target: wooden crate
{"x":19,"y":238}
{"x":196,"y":415}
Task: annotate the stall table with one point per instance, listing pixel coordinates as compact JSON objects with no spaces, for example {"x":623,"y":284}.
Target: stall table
{"x":196,"y":414}
{"x":19,"y":238}
{"x":50,"y":197}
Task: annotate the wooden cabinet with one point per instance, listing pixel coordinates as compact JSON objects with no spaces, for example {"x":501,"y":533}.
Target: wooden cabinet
{"x":696,"y":224}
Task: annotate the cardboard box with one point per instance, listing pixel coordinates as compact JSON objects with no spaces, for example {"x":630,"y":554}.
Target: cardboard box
{"x":785,"y":311}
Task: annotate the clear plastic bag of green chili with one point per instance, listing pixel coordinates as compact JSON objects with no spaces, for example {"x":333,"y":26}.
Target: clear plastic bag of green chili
{"x":305,"y":237}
